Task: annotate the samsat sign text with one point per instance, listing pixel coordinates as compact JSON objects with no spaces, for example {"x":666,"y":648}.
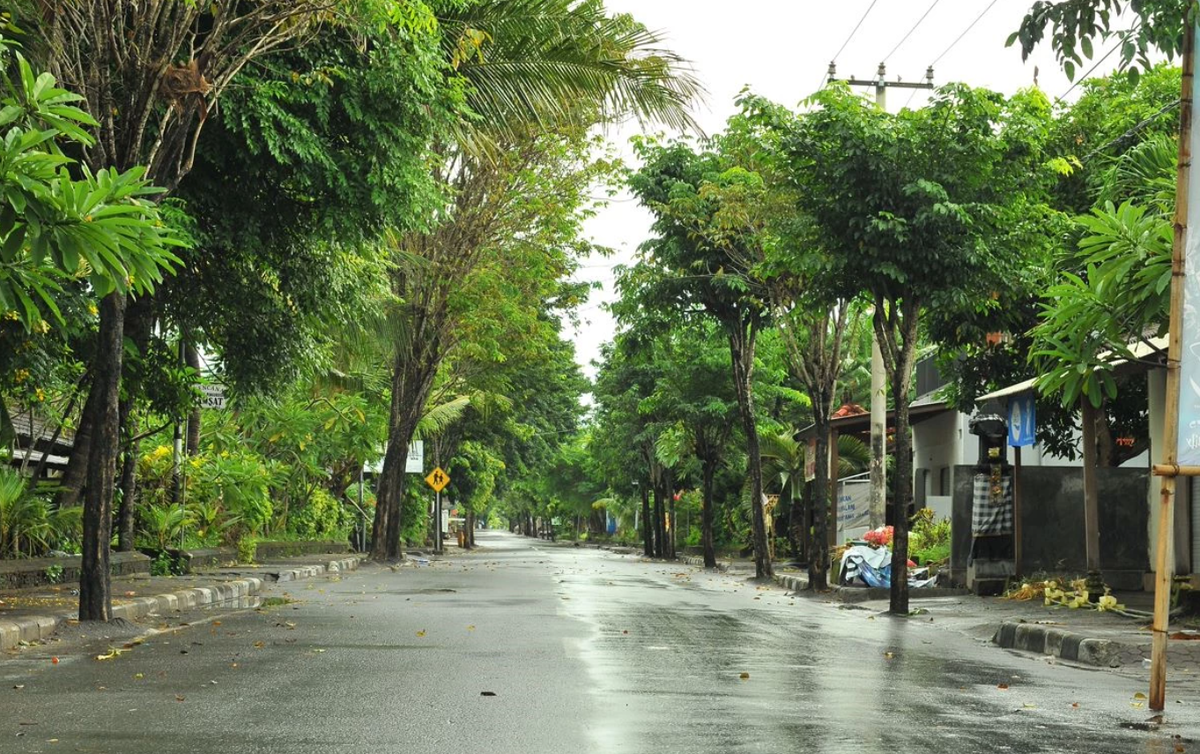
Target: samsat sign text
{"x":213,"y":396}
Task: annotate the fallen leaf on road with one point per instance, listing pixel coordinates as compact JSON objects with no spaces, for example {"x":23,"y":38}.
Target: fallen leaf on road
{"x":1075,"y":705}
{"x":258,"y":645}
{"x":111,"y":654}
{"x":470,"y":628}
{"x":421,"y":633}
{"x":179,"y":697}
{"x":54,"y":660}
{"x":487,"y":693}
{"x":1181,"y":636}
{"x":1139,"y":695}
{"x":138,"y":676}
{"x":19,"y":686}
{"x":889,"y":655}
{"x":744,"y":676}
{"x":1002,"y":686}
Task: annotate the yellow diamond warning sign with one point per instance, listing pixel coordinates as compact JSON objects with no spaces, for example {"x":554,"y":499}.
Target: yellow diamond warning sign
{"x":437,"y":479}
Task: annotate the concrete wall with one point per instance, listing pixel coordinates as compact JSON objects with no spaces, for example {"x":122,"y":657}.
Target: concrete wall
{"x":935,"y":447}
{"x":1052,"y":527}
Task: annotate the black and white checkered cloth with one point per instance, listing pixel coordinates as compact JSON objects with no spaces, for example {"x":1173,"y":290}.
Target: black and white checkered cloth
{"x":991,"y":514}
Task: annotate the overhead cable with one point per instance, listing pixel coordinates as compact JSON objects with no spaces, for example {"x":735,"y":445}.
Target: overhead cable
{"x":910,"y":31}
{"x":964,"y":32}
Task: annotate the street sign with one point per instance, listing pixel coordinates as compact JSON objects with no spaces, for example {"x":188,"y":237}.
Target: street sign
{"x":437,"y":479}
{"x":414,"y":464}
{"x":214,"y":396}
{"x":1022,"y":421}
{"x":416,"y":457}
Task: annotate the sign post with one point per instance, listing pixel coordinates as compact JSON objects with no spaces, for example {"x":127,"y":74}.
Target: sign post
{"x":1185,"y":291}
{"x":1022,"y":432}
{"x":214,"y":396}
{"x":438,"y":480}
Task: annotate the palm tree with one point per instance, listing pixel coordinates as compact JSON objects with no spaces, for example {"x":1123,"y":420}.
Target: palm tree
{"x":536,"y":69}
{"x":783,"y":459}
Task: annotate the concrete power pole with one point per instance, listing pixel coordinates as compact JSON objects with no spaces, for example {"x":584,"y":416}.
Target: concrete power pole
{"x":878,"y":370}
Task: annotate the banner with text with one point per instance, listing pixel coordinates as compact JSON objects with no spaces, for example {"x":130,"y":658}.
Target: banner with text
{"x":1189,"y":362}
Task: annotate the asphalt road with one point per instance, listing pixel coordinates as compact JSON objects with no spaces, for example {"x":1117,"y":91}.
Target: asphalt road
{"x":577,"y":651}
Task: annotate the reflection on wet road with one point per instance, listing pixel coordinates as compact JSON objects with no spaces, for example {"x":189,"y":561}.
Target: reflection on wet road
{"x":533,"y":648}
{"x":682,"y":661}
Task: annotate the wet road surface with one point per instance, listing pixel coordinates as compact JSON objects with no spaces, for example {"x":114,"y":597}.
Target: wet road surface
{"x":531,"y":647}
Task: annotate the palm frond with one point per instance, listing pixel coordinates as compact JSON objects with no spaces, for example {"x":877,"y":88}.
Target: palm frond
{"x":560,"y":62}
{"x":439,"y":418}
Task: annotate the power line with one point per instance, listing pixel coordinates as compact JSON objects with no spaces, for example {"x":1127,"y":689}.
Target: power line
{"x":953,"y":44}
{"x":1090,"y":71}
{"x":852,"y":33}
{"x":964,"y":33}
{"x":1133,"y":130}
{"x":855,"y":29}
{"x":910,"y":31}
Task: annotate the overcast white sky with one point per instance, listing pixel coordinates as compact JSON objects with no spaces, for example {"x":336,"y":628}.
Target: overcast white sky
{"x":781,"y":49}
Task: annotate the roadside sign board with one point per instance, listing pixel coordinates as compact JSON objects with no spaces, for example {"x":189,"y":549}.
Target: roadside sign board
{"x":1022,"y":420}
{"x":416,"y":457}
{"x":437,"y":479}
{"x":414,"y":464}
{"x":213,"y":396}
{"x":1188,"y":433}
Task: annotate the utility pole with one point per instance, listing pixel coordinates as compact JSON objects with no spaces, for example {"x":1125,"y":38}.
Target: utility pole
{"x":1181,"y":318}
{"x":878,"y":369}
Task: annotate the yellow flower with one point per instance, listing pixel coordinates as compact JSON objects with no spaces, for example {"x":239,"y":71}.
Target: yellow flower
{"x":41,"y":395}
{"x":20,"y":375}
{"x":93,"y":310}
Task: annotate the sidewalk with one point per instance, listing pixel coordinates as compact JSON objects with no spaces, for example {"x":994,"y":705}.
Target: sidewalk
{"x":36,"y":614}
{"x":1085,"y":636}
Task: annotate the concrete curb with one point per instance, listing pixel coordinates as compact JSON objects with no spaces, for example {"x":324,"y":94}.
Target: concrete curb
{"x":311,"y":571}
{"x":852,"y":594}
{"x":692,"y":560}
{"x":40,"y":627}
{"x":1056,"y":642}
{"x":795,"y":583}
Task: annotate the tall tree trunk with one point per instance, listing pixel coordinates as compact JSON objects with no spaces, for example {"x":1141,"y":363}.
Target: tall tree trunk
{"x":139,"y":320}
{"x":672,"y":532}
{"x":647,"y":523}
{"x":128,"y":507}
{"x":95,"y":589}
{"x":902,"y":490}
{"x":192,"y":357}
{"x":1091,"y":419}
{"x":741,"y":349}
{"x":70,"y":486}
{"x":706,"y":514}
{"x":818,"y":559}
{"x":412,"y":380}
{"x":660,"y":549}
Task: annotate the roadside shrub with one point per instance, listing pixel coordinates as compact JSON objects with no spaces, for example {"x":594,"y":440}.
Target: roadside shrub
{"x":929,"y":540}
{"x":320,"y":517}
{"x":247,"y":548}
{"x":164,"y":525}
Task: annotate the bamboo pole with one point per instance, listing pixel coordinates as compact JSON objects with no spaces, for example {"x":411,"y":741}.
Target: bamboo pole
{"x":1173,"y":469}
{"x":1166,"y":513}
